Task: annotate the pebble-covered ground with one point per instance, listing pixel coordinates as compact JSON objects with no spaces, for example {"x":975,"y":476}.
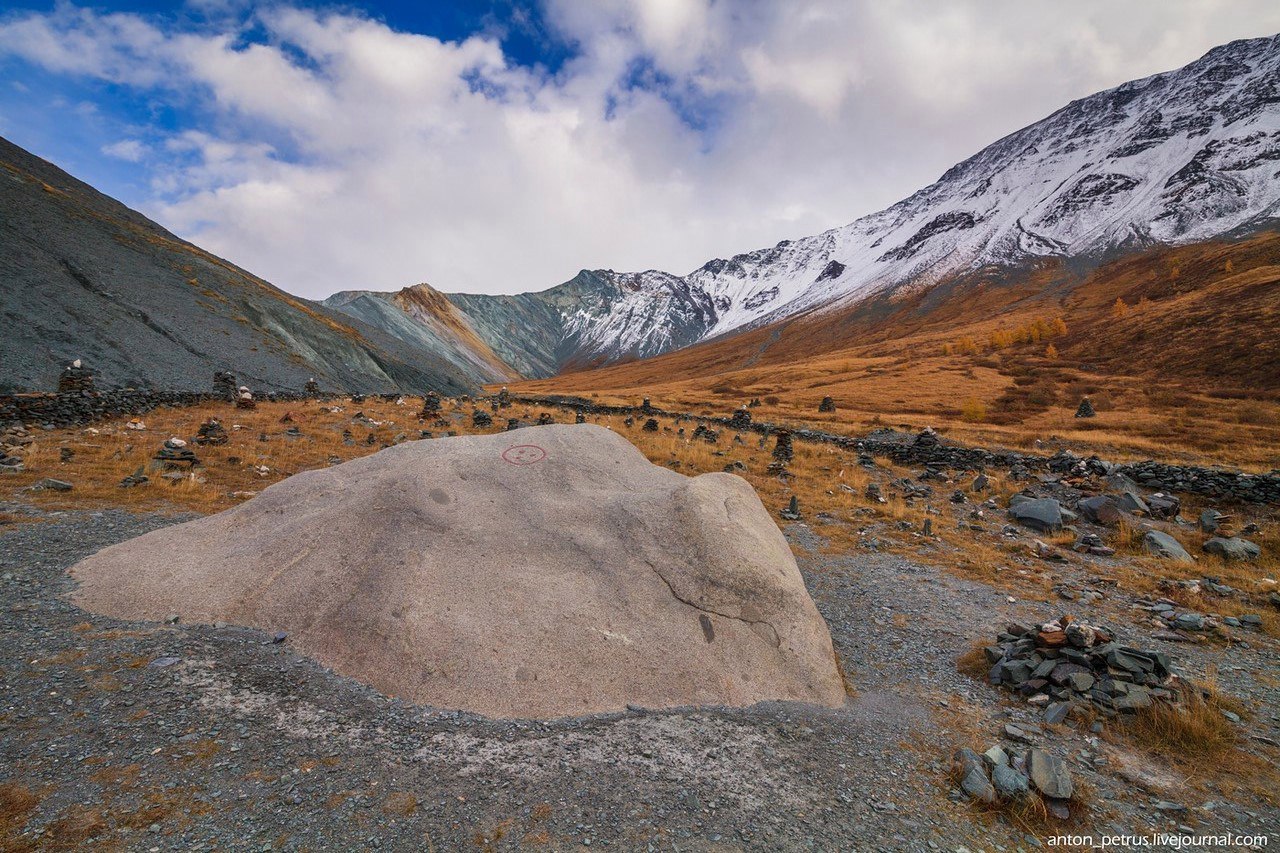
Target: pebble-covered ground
{"x":158,"y":737}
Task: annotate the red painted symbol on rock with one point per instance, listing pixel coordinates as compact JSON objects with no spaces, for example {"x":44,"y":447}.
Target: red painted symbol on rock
{"x":524,"y":454}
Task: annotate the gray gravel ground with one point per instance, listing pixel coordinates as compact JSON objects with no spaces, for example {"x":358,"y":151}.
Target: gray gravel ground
{"x":154,"y":737}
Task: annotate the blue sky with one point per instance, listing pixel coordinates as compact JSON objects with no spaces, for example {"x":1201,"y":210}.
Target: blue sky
{"x":502,"y":146}
{"x":65,"y":119}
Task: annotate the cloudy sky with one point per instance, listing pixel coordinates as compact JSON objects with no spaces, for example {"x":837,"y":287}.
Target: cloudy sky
{"x":499,"y":146}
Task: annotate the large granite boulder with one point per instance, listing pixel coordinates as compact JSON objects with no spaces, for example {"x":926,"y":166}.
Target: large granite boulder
{"x":557,"y":573}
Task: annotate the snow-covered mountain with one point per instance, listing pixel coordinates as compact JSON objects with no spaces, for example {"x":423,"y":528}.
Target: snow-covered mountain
{"x":1178,"y":157}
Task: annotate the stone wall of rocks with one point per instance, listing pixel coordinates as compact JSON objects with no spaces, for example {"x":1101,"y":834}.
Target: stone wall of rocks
{"x":911,"y":450}
{"x":81,"y":408}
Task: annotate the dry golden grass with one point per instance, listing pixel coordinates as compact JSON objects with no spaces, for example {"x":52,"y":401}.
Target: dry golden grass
{"x":828,"y":482}
{"x":17,"y":802}
{"x":1204,"y":747}
{"x":228,"y":474}
{"x":1206,"y":387}
{"x":974,"y":663}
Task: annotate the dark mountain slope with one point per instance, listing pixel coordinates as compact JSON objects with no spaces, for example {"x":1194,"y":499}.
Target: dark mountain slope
{"x":83,"y":276}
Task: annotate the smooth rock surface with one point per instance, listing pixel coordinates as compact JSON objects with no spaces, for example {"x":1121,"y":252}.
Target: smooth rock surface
{"x":1161,"y":544}
{"x":1233,"y":548}
{"x":553,"y":574}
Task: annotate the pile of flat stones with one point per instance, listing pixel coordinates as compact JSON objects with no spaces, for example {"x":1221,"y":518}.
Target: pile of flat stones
{"x":783,"y":451}
{"x":741,"y":419}
{"x":1180,"y":625}
{"x":481,"y":418}
{"x":1066,"y":663}
{"x":545,"y":419}
{"x":174,"y":453}
{"x":244,"y":399}
{"x":710,"y":436}
{"x":827,"y":405}
{"x":650,"y":425}
{"x":224,"y":385}
{"x":1007,"y":774}
{"x":1085,"y":409}
{"x":312,"y":387}
{"x":13,"y":445}
{"x":430,"y":406}
{"x":211,"y":432}
{"x":75,"y":378}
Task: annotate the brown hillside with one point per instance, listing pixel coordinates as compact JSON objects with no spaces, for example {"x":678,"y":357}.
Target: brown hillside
{"x":1159,"y":339}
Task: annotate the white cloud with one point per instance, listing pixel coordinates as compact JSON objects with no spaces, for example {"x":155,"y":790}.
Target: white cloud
{"x":336,"y":152}
{"x":131,"y":150}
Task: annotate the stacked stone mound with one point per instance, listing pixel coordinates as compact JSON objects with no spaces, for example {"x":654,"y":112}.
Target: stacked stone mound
{"x":827,"y":405}
{"x":1066,"y":662}
{"x":1085,"y":409}
{"x":557,"y":574}
{"x":76,"y":377}
{"x":430,"y":406}
{"x":741,"y":419}
{"x":212,"y":432}
{"x":175,"y":453}
{"x":224,"y":385}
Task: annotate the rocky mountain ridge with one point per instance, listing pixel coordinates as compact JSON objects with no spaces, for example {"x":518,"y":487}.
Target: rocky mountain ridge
{"x":1178,"y":157}
{"x":83,"y":276}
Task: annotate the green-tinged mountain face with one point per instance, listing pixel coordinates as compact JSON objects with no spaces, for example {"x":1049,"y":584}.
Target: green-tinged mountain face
{"x":83,"y":276}
{"x":597,"y":317}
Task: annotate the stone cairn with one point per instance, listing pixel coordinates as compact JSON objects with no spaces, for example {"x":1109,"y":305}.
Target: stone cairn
{"x":741,"y":419}
{"x":174,"y":453}
{"x":782,"y":450}
{"x":1066,"y":663}
{"x":14,"y":441}
{"x":481,"y":418}
{"x":211,"y":432}
{"x":783,"y":453}
{"x":76,"y":377}
{"x":244,"y":399}
{"x":827,"y":405}
{"x":710,"y":436}
{"x":1086,"y":409}
{"x":651,"y":425}
{"x":754,"y":404}
{"x":579,"y":418}
{"x":646,"y":407}
{"x":137,"y":478}
{"x":430,"y":406}
{"x":513,"y":424}
{"x":504,"y":398}
{"x":545,"y":419}
{"x":927,"y":437}
{"x":224,"y":385}
{"x":312,"y":387}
